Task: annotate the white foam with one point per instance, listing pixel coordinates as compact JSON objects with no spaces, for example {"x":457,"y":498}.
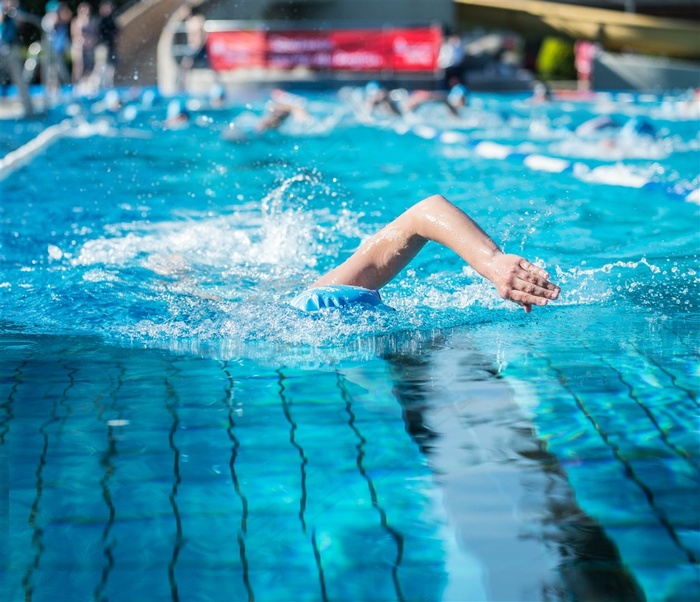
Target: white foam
{"x":493,"y":150}
{"x":547,"y":164}
{"x":452,"y":137}
{"x":424,"y":131}
{"x":693,"y":196}
{"x":616,"y":175}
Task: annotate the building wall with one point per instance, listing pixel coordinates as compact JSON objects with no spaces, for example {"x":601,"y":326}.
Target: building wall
{"x":643,"y":73}
{"x":352,"y":11}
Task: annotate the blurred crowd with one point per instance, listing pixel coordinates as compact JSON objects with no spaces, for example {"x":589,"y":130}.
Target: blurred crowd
{"x":77,"y":48}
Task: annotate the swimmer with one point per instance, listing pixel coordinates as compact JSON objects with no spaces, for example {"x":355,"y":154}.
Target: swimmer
{"x":597,"y":126}
{"x":281,"y":107}
{"x":276,"y":113}
{"x":177,"y":116}
{"x":377,"y":97}
{"x":384,"y":255}
{"x":217,"y":96}
{"x":454,"y":100}
{"x":541,"y":93}
{"x":638,"y":127}
{"x":613,"y":139}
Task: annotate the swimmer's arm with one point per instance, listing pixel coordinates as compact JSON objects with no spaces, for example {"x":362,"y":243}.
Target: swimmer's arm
{"x":386,"y":253}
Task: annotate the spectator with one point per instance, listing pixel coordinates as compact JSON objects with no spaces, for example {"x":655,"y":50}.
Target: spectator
{"x":450,"y":60}
{"x":196,"y":53}
{"x":10,"y":64}
{"x":56,"y":25}
{"x":584,"y":53}
{"x":8,"y":37}
{"x":109,"y":32}
{"x":84,"y":37}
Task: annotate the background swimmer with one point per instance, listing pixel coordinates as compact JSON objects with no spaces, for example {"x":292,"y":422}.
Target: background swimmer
{"x":377,"y":97}
{"x":281,"y":107}
{"x":454,"y":100}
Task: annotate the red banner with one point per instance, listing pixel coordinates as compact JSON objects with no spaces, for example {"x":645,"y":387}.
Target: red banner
{"x":287,"y":50}
{"x":407,"y":49}
{"x":415,"y":50}
{"x":360,"y":50}
{"x":228,"y":50}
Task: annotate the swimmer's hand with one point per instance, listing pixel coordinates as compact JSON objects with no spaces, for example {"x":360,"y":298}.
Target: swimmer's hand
{"x":518,"y":280}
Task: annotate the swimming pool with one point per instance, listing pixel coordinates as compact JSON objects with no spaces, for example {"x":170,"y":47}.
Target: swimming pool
{"x":170,"y":428}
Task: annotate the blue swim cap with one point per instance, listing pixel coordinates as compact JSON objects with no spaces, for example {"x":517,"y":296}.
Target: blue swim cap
{"x":640,"y":127}
{"x":372,"y":87}
{"x":175,"y":108}
{"x":149,"y":98}
{"x":217,"y":92}
{"x":112,"y":100}
{"x":457,"y":93}
{"x":337,"y":296}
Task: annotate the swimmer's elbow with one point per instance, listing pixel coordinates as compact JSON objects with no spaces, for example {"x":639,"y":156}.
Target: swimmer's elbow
{"x":433,"y":202}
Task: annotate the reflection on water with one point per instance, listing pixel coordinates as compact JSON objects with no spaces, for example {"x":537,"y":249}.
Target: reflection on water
{"x":509,"y":503}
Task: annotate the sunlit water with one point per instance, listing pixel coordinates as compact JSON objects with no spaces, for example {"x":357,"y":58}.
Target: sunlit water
{"x":170,"y":428}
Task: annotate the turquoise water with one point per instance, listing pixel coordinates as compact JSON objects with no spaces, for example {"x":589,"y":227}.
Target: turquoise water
{"x":171,"y":429}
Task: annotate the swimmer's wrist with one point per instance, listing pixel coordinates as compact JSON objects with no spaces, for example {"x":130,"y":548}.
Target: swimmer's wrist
{"x":489,"y":269}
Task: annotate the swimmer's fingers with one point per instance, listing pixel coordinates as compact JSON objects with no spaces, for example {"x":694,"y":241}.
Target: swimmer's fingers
{"x":537,"y":287}
{"x":527,"y":300}
{"x":535,"y":280}
{"x":522,"y":282}
{"x":532,"y":268}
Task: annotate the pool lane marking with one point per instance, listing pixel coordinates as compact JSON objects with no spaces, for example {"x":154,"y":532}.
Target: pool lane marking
{"x":108,"y":464}
{"x":35,"y":515}
{"x":677,"y":450}
{"x":292,"y":439}
{"x":171,"y":404}
{"x":362,"y":441}
{"x":235,"y":446}
{"x":602,"y":174}
{"x":629,"y":470}
{"x":17,"y":380}
{"x":673,"y":377}
{"x":25,"y":153}
{"x":319,"y":566}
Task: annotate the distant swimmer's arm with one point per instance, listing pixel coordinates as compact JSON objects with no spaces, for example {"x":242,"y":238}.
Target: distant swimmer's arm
{"x":386,"y":253}
{"x":277,"y":113}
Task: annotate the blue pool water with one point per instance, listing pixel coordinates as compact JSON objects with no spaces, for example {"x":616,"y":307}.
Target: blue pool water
{"x":171,"y":429}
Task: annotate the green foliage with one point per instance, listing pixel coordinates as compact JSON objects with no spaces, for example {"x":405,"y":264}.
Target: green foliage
{"x":556,"y":59}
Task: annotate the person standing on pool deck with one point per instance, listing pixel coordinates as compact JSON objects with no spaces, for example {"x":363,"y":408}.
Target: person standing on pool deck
{"x":384,"y":255}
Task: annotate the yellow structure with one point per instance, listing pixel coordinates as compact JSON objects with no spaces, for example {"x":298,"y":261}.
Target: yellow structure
{"x":615,"y":30}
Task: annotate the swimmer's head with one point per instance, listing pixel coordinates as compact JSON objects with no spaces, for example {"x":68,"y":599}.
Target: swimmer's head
{"x":112,"y":101}
{"x":217,"y":95}
{"x":149,"y":99}
{"x":372,"y":88}
{"x":541,"y":92}
{"x":177,"y":113}
{"x":458,"y":95}
{"x":638,"y":127}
